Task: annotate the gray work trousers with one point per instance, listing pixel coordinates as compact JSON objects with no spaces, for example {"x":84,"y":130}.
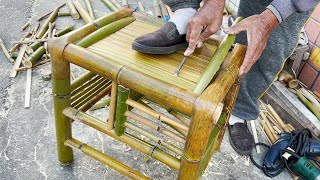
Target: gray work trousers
{"x":281,"y":43}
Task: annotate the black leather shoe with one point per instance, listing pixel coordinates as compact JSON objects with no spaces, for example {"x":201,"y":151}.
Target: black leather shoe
{"x":240,"y":138}
{"x":166,"y":40}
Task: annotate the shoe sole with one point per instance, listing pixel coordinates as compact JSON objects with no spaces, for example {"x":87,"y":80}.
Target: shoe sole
{"x":239,"y":151}
{"x":158,"y":50}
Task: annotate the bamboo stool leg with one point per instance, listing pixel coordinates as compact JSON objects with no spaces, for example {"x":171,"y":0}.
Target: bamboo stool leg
{"x":122,"y":107}
{"x":62,"y":92}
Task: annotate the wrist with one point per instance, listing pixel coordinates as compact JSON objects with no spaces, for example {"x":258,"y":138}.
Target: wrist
{"x":269,"y":18}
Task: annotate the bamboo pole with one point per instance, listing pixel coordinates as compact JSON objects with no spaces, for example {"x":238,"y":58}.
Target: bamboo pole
{"x":105,"y":31}
{"x":95,"y":99}
{"x":45,"y":26}
{"x":311,"y":98}
{"x":125,"y":3}
{"x":277,"y":118}
{"x":154,"y":126}
{"x":74,"y":13}
{"x":50,"y":31}
{"x":83,"y":13}
{"x":64,"y":31}
{"x":34,"y":57}
{"x":308,"y":104}
{"x":288,"y":79}
{"x":110,"y":5}
{"x":44,"y":16}
{"x":122,"y":107}
{"x":113,"y":105}
{"x":100,"y":104}
{"x":103,"y":158}
{"x":5,"y":52}
{"x":156,"y":115}
{"x":154,"y":138}
{"x":81,"y":80}
{"x":128,"y":139}
{"x":215,"y":62}
{"x":63,"y":14}
{"x":26,"y":25}
{"x":157,"y":10}
{"x":90,"y":9}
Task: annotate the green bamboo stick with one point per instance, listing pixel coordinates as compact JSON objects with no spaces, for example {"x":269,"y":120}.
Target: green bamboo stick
{"x":110,"y":5}
{"x":308,"y":104}
{"x":45,"y":26}
{"x":122,"y":107}
{"x":35,"y":46}
{"x":83,"y":13}
{"x":25,"y":26}
{"x":90,"y":9}
{"x":64,"y":31}
{"x":101,"y":104}
{"x":6,"y":53}
{"x":216,"y":61}
{"x":28,"y":63}
{"x":62,"y":14}
{"x":74,"y":13}
{"x":105,"y":31}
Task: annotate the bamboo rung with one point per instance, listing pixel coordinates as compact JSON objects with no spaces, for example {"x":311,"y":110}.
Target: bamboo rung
{"x":105,"y":159}
{"x":154,"y":126}
{"x":156,"y":115}
{"x":84,"y":85}
{"x":128,"y":139}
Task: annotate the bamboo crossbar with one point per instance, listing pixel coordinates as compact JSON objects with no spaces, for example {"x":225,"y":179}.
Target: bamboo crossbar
{"x":105,"y":159}
{"x":154,"y":138}
{"x":81,"y":80}
{"x":174,"y":97}
{"x":155,"y":114}
{"x":95,"y":82}
{"x":155,"y":126}
{"x":85,"y":85}
{"x":128,"y":139}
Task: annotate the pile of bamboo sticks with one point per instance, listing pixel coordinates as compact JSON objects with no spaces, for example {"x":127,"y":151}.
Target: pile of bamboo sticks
{"x":271,"y":123}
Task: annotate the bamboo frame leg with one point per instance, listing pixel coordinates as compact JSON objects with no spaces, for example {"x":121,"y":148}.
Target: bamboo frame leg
{"x":61,"y":91}
{"x":122,"y":107}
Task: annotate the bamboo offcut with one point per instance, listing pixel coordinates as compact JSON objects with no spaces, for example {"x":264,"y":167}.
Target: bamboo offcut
{"x":90,"y":9}
{"x":62,"y":14}
{"x":157,"y":9}
{"x":83,"y":13}
{"x":64,"y":31}
{"x":110,"y":5}
{"x":74,"y":13}
{"x":25,"y":26}
{"x":34,"y":57}
{"x":308,"y":104}
{"x":45,"y":26}
{"x":5,"y":51}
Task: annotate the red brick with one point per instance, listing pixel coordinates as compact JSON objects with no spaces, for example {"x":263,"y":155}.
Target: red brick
{"x":316,"y":13}
{"x":312,"y":30}
{"x":316,"y":86}
{"x":308,"y":75}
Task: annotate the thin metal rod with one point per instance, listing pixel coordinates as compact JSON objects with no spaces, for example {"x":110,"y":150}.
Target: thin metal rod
{"x":180,"y":66}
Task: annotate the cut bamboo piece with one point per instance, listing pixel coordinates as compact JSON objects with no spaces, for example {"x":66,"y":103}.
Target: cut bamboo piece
{"x":113,"y":105}
{"x":317,"y":95}
{"x":83,"y":13}
{"x":44,"y":16}
{"x":141,"y":8}
{"x":5,"y":52}
{"x":110,"y":5}
{"x":287,"y":78}
{"x":169,"y":11}
{"x":107,"y":160}
{"x":255,"y":135}
{"x":90,"y":9}
{"x":156,"y":115}
{"x":270,"y":132}
{"x":105,"y":31}
{"x":273,"y":121}
{"x":36,"y":56}
{"x":100,"y":104}
{"x":157,"y":10}
{"x":18,"y":61}
{"x":154,"y":126}
{"x":125,"y":3}
{"x":311,"y":98}
{"x":308,"y":104}
{"x":63,"y":14}
{"x":126,"y":138}
{"x":215,"y":62}
{"x":64,"y":31}
{"x":277,"y":118}
{"x":34,"y":66}
{"x":154,"y":138}
{"x":116,"y":4}
{"x":50,"y":31}
{"x":45,"y":26}
{"x":74,"y":13}
{"x":30,"y":41}
{"x":122,"y":107}
{"x":25,"y":26}
{"x":28,"y":89}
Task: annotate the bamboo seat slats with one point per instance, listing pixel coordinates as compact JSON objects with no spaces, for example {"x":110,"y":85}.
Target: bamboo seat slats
{"x":117,"y":47}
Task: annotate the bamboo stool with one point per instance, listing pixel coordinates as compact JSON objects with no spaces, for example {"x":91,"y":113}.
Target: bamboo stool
{"x":204,"y":91}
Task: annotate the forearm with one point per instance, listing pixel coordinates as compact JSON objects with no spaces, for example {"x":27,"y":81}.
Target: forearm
{"x":284,"y":8}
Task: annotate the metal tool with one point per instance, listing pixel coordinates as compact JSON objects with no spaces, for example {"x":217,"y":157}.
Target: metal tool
{"x":180,"y":66}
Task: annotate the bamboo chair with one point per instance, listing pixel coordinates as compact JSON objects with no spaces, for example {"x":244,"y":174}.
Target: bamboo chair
{"x":204,"y":91}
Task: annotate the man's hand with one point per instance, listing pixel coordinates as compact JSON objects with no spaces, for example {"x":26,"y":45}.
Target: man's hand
{"x":204,"y":23}
{"x":258,"y":29}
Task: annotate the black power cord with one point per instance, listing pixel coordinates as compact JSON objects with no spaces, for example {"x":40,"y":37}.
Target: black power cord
{"x":299,"y":143}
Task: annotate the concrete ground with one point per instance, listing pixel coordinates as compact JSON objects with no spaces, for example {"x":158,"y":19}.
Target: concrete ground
{"x":27,"y":136}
